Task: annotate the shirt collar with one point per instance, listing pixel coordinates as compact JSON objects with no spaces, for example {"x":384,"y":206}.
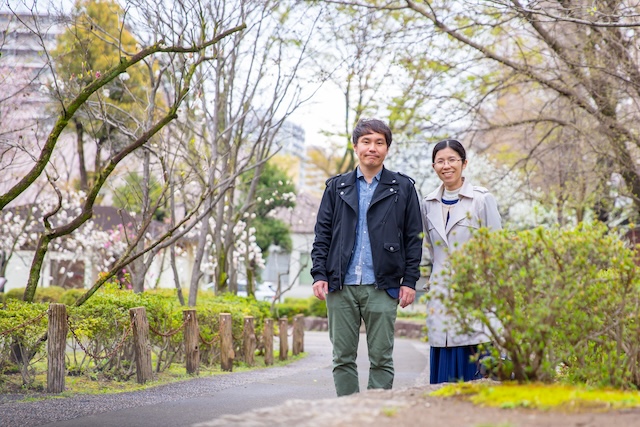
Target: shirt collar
{"x":359,"y":174}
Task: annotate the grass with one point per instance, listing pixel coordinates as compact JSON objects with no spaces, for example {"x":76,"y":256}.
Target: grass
{"x":389,"y":412}
{"x":92,"y":383}
{"x":541,"y":396}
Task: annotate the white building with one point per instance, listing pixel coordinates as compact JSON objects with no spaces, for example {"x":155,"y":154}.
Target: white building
{"x":292,"y":270}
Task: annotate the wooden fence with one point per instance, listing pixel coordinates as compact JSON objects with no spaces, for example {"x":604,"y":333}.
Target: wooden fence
{"x":58,"y":328}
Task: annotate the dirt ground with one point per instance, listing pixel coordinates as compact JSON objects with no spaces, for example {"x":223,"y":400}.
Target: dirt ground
{"x":454,"y":412}
{"x":413,"y":407}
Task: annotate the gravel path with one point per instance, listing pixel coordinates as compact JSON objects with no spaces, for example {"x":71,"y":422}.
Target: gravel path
{"x":409,"y":406}
{"x":14,"y":413}
{"x":35,"y":413}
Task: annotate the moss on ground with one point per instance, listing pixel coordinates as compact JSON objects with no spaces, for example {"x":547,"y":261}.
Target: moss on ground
{"x":541,"y":396}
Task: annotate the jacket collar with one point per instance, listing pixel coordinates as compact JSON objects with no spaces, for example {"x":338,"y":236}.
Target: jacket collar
{"x":435,"y":215}
{"x":465,"y":191}
{"x":348,"y":190}
{"x":386,"y":177}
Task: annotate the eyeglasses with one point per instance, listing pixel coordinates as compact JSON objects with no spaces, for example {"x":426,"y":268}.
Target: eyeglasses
{"x":451,"y":160}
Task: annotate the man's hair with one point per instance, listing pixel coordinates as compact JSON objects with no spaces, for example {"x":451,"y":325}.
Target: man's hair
{"x":369,"y":126}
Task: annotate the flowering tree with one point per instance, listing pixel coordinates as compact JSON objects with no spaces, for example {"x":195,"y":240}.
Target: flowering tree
{"x":521,"y":207}
{"x":549,"y":88}
{"x":235,"y":122}
{"x":44,"y":161}
{"x":88,"y":243}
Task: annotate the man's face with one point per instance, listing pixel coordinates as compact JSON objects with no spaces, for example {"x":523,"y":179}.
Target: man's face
{"x":371,"y":150}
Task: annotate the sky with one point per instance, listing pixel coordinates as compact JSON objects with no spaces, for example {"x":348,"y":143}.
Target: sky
{"x":324,"y":112}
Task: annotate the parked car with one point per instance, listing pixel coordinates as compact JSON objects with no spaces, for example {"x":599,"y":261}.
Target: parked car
{"x":265,"y":291}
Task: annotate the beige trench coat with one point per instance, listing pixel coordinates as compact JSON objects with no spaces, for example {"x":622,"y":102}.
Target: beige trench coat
{"x":476,"y":208}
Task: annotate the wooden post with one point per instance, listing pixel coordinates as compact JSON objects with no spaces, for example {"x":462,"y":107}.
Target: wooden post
{"x":141,"y":344}
{"x":226,"y":342}
{"x":249,"y":340}
{"x":298,"y":334}
{"x":284,"y":338}
{"x":56,"y":346}
{"x":191,"y":341}
{"x":267,"y":336}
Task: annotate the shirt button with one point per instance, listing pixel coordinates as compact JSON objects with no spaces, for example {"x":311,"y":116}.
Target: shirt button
{"x":391,"y":247}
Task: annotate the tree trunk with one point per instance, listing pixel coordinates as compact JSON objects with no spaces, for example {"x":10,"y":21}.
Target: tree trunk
{"x":197,"y":261}
{"x":139,"y":266}
{"x":36,"y":268}
{"x":82,"y":165}
{"x":174,"y":267}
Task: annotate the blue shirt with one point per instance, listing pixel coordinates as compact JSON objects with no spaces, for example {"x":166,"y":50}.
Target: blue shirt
{"x":360,"y":269}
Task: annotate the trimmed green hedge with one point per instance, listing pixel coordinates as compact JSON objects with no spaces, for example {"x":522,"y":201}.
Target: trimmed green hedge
{"x":311,"y":306}
{"x":100,"y":334}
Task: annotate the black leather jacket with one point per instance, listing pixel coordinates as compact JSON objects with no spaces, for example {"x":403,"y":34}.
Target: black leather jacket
{"x":395,"y":231}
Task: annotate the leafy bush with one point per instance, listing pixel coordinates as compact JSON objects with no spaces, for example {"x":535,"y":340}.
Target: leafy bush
{"x":49,"y":294}
{"x":22,"y":331}
{"x":318,"y":308}
{"x":71,"y":296}
{"x":101,"y":324}
{"x":555,"y":301}
{"x":311,"y":306}
{"x":14,"y":293}
{"x":292,"y":306}
{"x":100,"y":336}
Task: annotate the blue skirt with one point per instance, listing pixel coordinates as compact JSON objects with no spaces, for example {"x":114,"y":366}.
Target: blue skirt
{"x":452,"y":364}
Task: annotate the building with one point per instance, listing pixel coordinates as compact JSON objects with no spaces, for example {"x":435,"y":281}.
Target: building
{"x":292,"y":270}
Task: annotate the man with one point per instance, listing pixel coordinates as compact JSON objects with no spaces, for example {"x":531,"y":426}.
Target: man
{"x":366,"y":257}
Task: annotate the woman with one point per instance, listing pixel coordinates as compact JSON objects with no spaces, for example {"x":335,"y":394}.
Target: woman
{"x":450,"y":214}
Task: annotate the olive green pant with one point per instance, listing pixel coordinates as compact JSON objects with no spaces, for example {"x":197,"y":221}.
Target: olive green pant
{"x":346,"y":309}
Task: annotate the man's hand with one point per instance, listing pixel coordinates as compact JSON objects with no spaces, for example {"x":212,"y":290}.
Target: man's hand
{"x":321,"y":289}
{"x":407,"y":296}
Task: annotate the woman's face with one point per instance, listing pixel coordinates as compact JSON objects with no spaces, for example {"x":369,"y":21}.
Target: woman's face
{"x":449,"y":166}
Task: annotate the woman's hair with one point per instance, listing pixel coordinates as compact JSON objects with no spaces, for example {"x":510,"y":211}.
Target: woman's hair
{"x":369,"y":126}
{"x":451,"y":143}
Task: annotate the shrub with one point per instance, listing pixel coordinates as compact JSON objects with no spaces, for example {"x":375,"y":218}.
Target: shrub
{"x":554,"y":301}
{"x":100,"y":335}
{"x":49,"y":294}
{"x":27,"y":323}
{"x":292,"y":306}
{"x":101,"y":324}
{"x":43,"y":294}
{"x":311,"y":306}
{"x":15,"y":293}
{"x":318,"y":308}
{"x":71,"y":296}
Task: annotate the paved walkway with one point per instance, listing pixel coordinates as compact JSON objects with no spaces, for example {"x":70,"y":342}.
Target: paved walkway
{"x":203,"y":400}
